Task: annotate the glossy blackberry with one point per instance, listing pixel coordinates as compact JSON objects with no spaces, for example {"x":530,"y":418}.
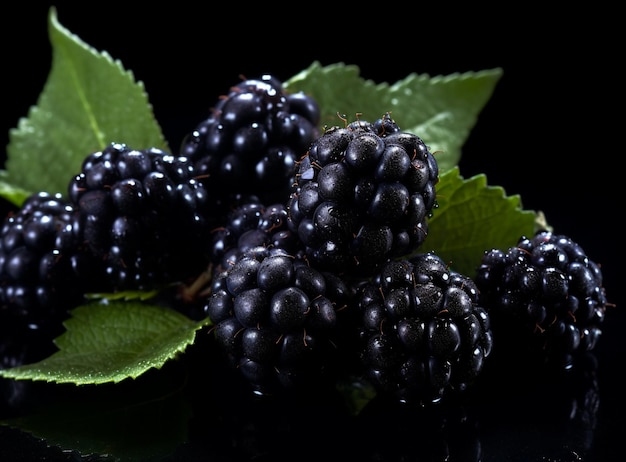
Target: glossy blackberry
{"x":42,"y":269}
{"x":250,"y":225}
{"x":545,"y":297}
{"x":423,"y":332}
{"x":363,"y":195}
{"x":252,"y":140}
{"x":276,"y":319}
{"x":140,"y":212}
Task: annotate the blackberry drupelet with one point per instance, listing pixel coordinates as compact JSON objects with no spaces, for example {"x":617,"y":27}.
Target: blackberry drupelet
{"x":276,"y":320}
{"x":423,"y":333}
{"x":252,"y":140}
{"x":362,"y":195}
{"x":545,"y":297}
{"x":43,"y":271}
{"x":139,"y":213}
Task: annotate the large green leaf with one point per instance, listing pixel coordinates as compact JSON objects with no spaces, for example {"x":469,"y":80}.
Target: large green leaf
{"x":110,"y":342}
{"x":441,"y":110}
{"x":473,"y":217}
{"x":88,"y":101}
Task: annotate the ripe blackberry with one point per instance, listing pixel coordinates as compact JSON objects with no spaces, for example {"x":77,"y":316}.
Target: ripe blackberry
{"x":423,"y":332}
{"x":276,"y":320}
{"x":139,"y":213}
{"x":251,"y":225}
{"x":545,"y":297}
{"x":42,"y":269}
{"x":252,"y":140}
{"x":363,"y":195}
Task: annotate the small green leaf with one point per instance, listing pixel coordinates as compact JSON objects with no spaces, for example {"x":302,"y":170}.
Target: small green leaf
{"x":473,"y":217}
{"x":356,"y":393}
{"x":441,"y":110}
{"x":123,"y":295}
{"x":13,"y":194}
{"x":109,"y":342}
{"x":88,"y":102}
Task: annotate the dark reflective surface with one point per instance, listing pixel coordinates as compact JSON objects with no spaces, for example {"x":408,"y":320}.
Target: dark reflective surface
{"x":543,"y":135}
{"x":193,"y":410}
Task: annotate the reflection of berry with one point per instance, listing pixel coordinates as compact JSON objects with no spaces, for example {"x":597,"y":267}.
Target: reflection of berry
{"x":423,"y":332}
{"x":245,"y":427}
{"x":19,"y":347}
{"x":562,"y":405}
{"x":447,"y":433}
{"x":363,"y":194}
{"x":545,"y":297}
{"x":251,"y":142}
{"x":139,"y":212}
{"x":276,"y":320}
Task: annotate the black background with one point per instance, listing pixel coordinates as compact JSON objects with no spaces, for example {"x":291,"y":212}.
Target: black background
{"x":546,"y":134}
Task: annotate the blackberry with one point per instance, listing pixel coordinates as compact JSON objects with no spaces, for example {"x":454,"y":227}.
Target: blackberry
{"x":276,"y":320}
{"x":251,"y":225}
{"x":42,"y":268}
{"x":139,"y":212}
{"x":545,"y":296}
{"x":249,"y":145}
{"x":423,"y":332}
{"x":363,"y":195}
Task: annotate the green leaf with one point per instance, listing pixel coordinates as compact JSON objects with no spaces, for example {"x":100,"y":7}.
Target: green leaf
{"x":88,"y":101}
{"x":112,"y":341}
{"x":472,"y":217}
{"x":123,"y":295}
{"x":14,"y":194}
{"x":137,"y":421}
{"x":356,"y":393}
{"x":441,"y":110}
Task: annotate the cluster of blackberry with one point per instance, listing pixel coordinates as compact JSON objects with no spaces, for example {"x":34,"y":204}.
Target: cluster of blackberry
{"x":138,"y":212}
{"x":360,"y":196}
{"x":276,"y":319}
{"x":423,"y":331}
{"x":546,"y":298}
{"x":306,"y":247}
{"x":252,"y":140}
{"x":143,"y":219}
{"x":363,"y":195}
{"x":41,"y":267}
